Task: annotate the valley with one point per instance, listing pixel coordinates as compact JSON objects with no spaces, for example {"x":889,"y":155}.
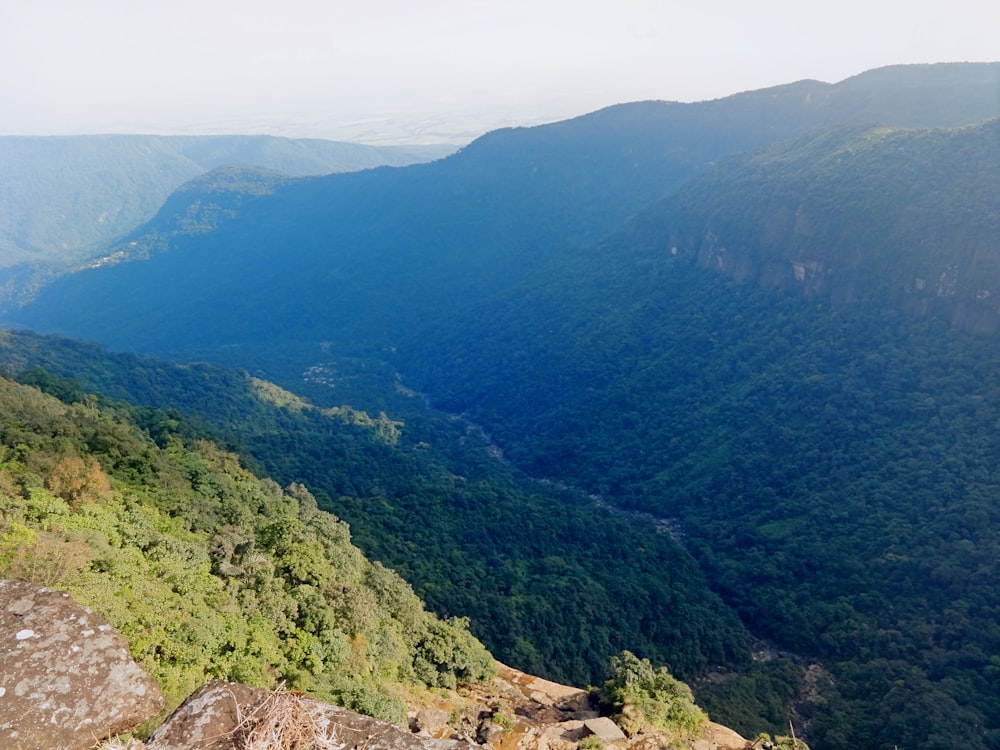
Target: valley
{"x":726,"y":374}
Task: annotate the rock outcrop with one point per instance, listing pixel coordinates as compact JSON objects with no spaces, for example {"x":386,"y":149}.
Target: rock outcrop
{"x":229,"y":716}
{"x":67,"y":679}
{"x":537,"y":714}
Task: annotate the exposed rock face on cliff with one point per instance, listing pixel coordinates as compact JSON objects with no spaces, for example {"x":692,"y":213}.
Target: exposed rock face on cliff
{"x":66,"y":677}
{"x":523,"y":712}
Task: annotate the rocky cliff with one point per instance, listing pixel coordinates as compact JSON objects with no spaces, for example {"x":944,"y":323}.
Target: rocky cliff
{"x":68,"y":682}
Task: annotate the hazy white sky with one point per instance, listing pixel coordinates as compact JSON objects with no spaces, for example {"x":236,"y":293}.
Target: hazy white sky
{"x":429,"y":70}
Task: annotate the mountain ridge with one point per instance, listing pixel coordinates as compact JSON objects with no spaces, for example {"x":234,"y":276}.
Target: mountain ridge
{"x":824,"y":451}
{"x":63,"y":197}
{"x":917,"y":235}
{"x":480,"y":219}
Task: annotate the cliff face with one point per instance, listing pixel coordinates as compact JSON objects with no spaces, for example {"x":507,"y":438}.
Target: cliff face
{"x":905,"y":218}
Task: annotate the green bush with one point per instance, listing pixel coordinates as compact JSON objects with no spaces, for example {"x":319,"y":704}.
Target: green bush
{"x":643,"y":698}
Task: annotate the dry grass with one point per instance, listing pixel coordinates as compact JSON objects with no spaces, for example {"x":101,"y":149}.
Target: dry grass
{"x":119,"y":743}
{"x":284,"y":721}
{"x":281,"y":721}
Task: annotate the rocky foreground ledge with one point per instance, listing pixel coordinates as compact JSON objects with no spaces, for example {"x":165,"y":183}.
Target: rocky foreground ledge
{"x":68,"y":682}
{"x":67,"y":679}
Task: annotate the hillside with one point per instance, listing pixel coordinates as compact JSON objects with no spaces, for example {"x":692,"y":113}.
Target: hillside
{"x":905,"y":218}
{"x":63,"y":198}
{"x":213,"y":573}
{"x":392,"y":244}
{"x":755,"y":357}
{"x":542,"y":571}
{"x":207,"y":570}
{"x":691,"y":362}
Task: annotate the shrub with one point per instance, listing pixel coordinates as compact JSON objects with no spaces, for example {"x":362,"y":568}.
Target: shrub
{"x":644,"y":697}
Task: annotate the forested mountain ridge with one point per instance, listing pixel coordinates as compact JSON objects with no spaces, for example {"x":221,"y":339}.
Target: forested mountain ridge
{"x":755,"y":357}
{"x":903,"y":217}
{"x":208,"y":571}
{"x":543,"y":572}
{"x":821,"y":440}
{"x":213,"y":574}
{"x":62,"y":198}
{"x":465,"y":226}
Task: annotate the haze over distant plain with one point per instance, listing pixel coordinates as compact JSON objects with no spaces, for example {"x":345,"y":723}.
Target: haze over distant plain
{"x":441,"y":71}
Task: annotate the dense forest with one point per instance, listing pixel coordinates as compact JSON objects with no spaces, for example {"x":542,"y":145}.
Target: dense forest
{"x":714,"y":384}
{"x":833,"y":472}
{"x":208,"y":571}
{"x":543,"y":571}
{"x":825,"y":438}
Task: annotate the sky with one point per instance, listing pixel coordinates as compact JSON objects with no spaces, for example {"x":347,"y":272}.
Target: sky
{"x":433,"y":71}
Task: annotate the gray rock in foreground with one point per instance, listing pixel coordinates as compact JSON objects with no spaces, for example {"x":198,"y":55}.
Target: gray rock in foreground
{"x":226,"y":715}
{"x":67,"y":679}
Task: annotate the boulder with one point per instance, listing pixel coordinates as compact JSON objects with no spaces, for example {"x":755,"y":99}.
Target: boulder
{"x":228,"y":716}
{"x":67,"y":679}
{"x":604,"y":729}
{"x":429,"y":722}
{"x":719,"y":737}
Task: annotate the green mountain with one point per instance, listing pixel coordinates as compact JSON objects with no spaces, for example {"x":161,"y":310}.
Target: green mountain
{"x":63,"y":198}
{"x":207,"y":570}
{"x":757,"y":357}
{"x":902,"y":218}
{"x":392,"y":245}
{"x":544,"y":572}
{"x":760,"y":326}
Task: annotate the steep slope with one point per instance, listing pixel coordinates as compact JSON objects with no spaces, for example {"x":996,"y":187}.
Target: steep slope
{"x":543,"y":572}
{"x":830,"y":469}
{"x":63,"y":196}
{"x":904,"y":218}
{"x":756,"y":357}
{"x":208,"y":571}
{"x":378,"y":255}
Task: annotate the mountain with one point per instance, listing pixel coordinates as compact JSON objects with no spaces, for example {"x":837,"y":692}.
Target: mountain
{"x":757,"y":356}
{"x":62,"y":198}
{"x":543,"y":571}
{"x":207,"y":570}
{"x":381,"y":250}
{"x":794,"y":356}
{"x":757,"y":325}
{"x":214,"y":574}
{"x":904,"y":218}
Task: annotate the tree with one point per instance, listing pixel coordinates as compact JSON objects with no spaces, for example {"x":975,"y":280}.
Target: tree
{"x":644,"y":697}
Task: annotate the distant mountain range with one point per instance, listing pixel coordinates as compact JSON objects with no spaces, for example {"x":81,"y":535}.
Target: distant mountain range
{"x":459,"y":228}
{"x":63,"y":197}
{"x":763,"y":325}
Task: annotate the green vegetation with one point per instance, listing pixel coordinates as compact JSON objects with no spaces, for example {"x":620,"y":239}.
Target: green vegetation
{"x":832,"y":471}
{"x":643,"y":697}
{"x":208,"y":571}
{"x":541,"y":571}
{"x":758,"y":398}
{"x":763,"y":694}
{"x":64,"y":197}
{"x":826,"y":446}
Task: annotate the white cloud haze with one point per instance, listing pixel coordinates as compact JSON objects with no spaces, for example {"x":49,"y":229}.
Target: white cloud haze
{"x":392,"y":71}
